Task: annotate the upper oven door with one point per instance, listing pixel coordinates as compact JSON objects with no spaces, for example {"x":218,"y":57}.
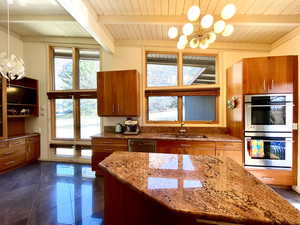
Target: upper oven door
{"x":269,"y":113}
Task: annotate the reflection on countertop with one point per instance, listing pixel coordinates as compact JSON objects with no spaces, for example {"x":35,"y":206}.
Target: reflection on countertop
{"x":172,"y":136}
{"x":203,"y":186}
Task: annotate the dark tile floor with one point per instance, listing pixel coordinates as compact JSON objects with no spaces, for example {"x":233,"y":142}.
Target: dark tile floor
{"x":60,"y":194}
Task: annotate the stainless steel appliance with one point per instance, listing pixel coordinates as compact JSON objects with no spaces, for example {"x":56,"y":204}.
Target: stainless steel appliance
{"x":131,"y":126}
{"x":268,"y":149}
{"x":269,"y":112}
{"x":141,"y":145}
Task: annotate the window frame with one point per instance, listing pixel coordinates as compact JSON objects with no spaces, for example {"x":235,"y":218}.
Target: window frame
{"x":75,"y":93}
{"x":190,"y":90}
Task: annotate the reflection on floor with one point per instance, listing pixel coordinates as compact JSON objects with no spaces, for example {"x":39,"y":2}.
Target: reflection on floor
{"x":60,"y":194}
{"x":51,"y":194}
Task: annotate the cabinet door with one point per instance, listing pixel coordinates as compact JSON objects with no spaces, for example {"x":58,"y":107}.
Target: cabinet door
{"x":127,"y":92}
{"x":231,"y":150}
{"x":282,"y":72}
{"x":169,"y":147}
{"x":106,"y":94}
{"x":32,"y":149}
{"x":256,"y":75}
{"x":199,"y":148}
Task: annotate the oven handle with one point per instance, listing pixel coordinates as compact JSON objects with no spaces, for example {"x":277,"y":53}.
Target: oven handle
{"x":248,"y":139}
{"x":269,"y":105}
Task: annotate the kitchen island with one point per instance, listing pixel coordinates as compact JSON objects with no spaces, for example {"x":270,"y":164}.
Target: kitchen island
{"x":170,"y":189}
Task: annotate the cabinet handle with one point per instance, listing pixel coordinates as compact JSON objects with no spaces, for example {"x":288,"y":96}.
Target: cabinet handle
{"x":264,"y":84}
{"x":107,"y":149}
{"x":272,"y":84}
{"x":107,"y":142}
{"x":267,"y":178}
{"x":113,"y":108}
{"x":185,"y":145}
{"x":9,"y":163}
{"x":118,"y":108}
{"x":8,"y":153}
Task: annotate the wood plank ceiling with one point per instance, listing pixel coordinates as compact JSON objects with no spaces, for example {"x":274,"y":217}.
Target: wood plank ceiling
{"x":251,"y":33}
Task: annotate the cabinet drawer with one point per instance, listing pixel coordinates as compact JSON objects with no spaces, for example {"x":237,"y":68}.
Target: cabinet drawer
{"x":4,"y":149}
{"x":109,"y":148}
{"x":32,"y":139}
{"x":17,"y":142}
{"x":12,"y":160}
{"x":229,"y":146}
{"x":275,"y":177}
{"x":109,"y":141}
{"x":3,"y":144}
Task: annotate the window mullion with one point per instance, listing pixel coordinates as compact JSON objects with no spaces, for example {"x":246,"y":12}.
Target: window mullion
{"x":76,"y":118}
{"x":75,"y":57}
{"x":180,"y":69}
{"x":180,"y":108}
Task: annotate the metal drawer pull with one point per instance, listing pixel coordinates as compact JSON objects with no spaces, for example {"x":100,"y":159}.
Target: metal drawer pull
{"x":267,"y":178}
{"x":185,"y":145}
{"x":9,"y":163}
{"x":8,"y":153}
{"x":107,"y":149}
{"x":107,"y":142}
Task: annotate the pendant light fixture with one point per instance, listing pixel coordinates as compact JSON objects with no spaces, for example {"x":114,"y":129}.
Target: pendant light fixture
{"x":208,"y":29}
{"x":11,"y":67}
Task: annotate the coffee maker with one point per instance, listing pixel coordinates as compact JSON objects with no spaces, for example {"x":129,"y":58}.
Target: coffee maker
{"x":131,"y":126}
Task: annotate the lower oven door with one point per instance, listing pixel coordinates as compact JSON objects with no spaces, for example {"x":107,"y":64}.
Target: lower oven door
{"x":269,"y":149}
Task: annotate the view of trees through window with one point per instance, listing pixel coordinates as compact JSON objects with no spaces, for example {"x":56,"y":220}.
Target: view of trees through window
{"x":65,"y":109}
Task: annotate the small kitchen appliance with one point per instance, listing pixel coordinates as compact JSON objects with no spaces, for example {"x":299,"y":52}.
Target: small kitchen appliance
{"x":131,"y":126}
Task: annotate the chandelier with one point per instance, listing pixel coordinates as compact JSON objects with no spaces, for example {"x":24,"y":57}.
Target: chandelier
{"x":208,"y":28}
{"x":11,"y":67}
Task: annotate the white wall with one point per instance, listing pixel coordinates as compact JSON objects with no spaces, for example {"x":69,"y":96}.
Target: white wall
{"x":292,"y":47}
{"x":16,"y":44}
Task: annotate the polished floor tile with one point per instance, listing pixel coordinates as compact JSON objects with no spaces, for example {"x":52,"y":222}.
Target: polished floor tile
{"x":50,"y":193}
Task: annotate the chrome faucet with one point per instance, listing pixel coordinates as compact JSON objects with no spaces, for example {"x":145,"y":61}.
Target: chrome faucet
{"x":182,"y":130}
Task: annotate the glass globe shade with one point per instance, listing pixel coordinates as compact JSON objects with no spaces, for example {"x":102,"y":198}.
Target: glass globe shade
{"x":188,"y":29}
{"x":228,"y":11}
{"x":173,"y":32}
{"x":183,"y":39}
{"x":180,"y":45}
{"x":211,"y":37}
{"x":194,"y":43}
{"x":207,"y":21}
{"x":228,"y":30}
{"x":193,"y":13}
{"x":219,"y":26}
{"x":203,"y":44}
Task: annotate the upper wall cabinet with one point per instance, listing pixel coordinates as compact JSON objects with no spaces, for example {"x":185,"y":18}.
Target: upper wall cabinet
{"x":269,"y":74}
{"x":118,"y":93}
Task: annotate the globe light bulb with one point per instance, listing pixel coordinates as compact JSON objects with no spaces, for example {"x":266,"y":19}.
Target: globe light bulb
{"x":228,"y":30}
{"x":207,"y":21}
{"x":188,"y":29}
{"x":180,"y":45}
{"x":173,"y":32}
{"x":193,"y":13}
{"x":194,"y":43}
{"x":211,"y":37}
{"x":228,"y":11}
{"x":219,"y":26}
{"x":183,"y":39}
{"x":203,"y":44}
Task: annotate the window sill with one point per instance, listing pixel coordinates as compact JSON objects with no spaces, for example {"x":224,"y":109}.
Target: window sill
{"x":149,"y":124}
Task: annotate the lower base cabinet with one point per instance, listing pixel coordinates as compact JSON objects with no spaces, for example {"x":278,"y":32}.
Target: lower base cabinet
{"x":18,"y":152}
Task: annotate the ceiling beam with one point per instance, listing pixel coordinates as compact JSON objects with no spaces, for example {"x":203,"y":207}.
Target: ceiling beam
{"x":179,"y":20}
{"x":86,"y":16}
{"x":37,"y":19}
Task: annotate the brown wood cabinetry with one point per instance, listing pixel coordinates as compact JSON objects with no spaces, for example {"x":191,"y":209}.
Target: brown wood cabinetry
{"x":269,"y":74}
{"x":230,"y":149}
{"x":118,"y":93}
{"x":103,"y":147}
{"x":18,"y":152}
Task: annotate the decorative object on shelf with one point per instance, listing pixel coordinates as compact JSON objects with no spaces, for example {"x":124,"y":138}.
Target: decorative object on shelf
{"x":232,"y":103}
{"x":208,"y":30}
{"x":11,"y":67}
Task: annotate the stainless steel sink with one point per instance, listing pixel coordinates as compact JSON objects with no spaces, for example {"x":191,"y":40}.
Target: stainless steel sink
{"x":183,"y":136}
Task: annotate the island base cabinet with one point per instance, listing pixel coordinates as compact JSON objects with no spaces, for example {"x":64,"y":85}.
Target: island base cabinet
{"x":124,"y":205}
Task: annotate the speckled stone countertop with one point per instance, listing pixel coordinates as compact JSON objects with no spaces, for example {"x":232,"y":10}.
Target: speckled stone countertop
{"x":216,"y":189}
{"x":166,"y":136}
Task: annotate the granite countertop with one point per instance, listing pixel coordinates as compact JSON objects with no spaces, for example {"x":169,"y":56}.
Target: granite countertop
{"x":15,"y":137}
{"x":201,"y":186}
{"x":167,"y":136}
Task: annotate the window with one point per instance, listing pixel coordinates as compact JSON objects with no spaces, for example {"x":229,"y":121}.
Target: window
{"x":181,"y":88}
{"x":73,"y":98}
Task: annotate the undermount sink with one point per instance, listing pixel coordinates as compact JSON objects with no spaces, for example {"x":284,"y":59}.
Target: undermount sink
{"x":183,"y":136}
